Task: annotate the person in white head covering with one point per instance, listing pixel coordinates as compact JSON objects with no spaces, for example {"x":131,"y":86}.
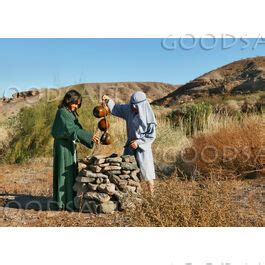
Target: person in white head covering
{"x":141,"y":131}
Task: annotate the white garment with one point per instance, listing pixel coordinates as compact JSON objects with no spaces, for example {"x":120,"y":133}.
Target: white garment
{"x":141,"y":127}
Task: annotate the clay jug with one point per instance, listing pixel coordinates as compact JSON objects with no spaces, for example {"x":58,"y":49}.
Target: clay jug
{"x":103,"y":125}
{"x":105,"y":139}
{"x":100,"y":111}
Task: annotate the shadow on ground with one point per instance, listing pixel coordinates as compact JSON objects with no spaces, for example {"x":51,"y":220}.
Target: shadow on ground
{"x":27,"y":202}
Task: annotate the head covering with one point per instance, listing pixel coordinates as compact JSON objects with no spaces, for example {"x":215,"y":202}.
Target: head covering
{"x":146,"y":114}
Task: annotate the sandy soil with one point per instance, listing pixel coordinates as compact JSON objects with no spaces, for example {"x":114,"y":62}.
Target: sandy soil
{"x":25,"y":191}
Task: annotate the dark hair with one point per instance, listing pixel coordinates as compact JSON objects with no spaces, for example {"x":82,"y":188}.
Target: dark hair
{"x":71,"y":97}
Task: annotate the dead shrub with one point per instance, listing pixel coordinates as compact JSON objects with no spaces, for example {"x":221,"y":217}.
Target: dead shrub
{"x":236,"y":151}
{"x":191,"y":203}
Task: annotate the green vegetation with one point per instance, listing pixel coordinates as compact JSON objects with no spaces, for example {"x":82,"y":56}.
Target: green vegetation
{"x":191,"y":118}
{"x":31,"y":129}
{"x":194,"y":117}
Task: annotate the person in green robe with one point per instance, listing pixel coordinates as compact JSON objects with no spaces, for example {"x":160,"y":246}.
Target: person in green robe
{"x":67,"y":131}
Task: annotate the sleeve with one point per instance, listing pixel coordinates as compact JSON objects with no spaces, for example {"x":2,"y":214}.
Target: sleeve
{"x":148,"y":137}
{"x":119,"y":110}
{"x":67,"y":128}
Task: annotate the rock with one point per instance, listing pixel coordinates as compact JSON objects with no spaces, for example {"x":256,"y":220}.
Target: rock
{"x":122,"y":182}
{"x":91,"y":174}
{"x":115,"y":164}
{"x":101,"y":197}
{"x":128,"y":159}
{"x":134,"y":175}
{"x":114,"y":172}
{"x":92,"y":187}
{"x":79,"y":186}
{"x":96,"y":160}
{"x":107,"y":188}
{"x":101,"y":187}
{"x":122,"y":187}
{"x":119,"y":195}
{"x":100,"y":175}
{"x":113,"y":159}
{"x":86,"y":173}
{"x":99,"y":161}
{"x":114,"y":179}
{"x":95,"y":168}
{"x":128,"y":166}
{"x":106,"y":181}
{"x":111,"y":168}
{"x":108,"y":207}
{"x":81,"y":166}
{"x":126,"y":172}
{"x":133,"y":183}
{"x":99,"y":180}
{"x":124,"y":176}
{"x":103,"y":183}
{"x":85,"y":160}
{"x":85,"y":179}
{"x":104,"y":165}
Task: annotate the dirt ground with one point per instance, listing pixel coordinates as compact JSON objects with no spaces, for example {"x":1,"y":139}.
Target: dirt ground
{"x":25,"y":192}
{"x":24,"y":189}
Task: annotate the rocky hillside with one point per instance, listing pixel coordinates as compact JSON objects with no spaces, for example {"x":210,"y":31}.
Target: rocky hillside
{"x":121,"y":91}
{"x":240,"y":77}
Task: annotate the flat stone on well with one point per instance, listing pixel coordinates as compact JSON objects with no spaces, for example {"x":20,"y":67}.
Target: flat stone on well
{"x":92,"y":187}
{"x":114,"y":179}
{"x":104,"y":165}
{"x":89,"y":173}
{"x":110,"y":168}
{"x":113,"y":172}
{"x":133,"y":183}
{"x":107,"y":188}
{"x":124,"y":176}
{"x":85,"y":179}
{"x":128,"y":166}
{"x":134,"y":175}
{"x":128,"y":159}
{"x":95,"y":168}
{"x":99,"y":180}
{"x":101,"y":197}
{"x":113,"y":159}
{"x":115,"y":164}
{"x":125,"y":172}
{"x":81,"y":165}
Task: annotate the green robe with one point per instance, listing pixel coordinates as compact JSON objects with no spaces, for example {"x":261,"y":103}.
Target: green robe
{"x":66,"y":131}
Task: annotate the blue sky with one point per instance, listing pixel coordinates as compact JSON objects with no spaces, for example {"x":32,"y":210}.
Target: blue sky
{"x":29,"y":63}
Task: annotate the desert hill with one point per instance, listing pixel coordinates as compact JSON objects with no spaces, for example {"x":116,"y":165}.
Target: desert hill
{"x":240,"y":77}
{"x":120,"y":91}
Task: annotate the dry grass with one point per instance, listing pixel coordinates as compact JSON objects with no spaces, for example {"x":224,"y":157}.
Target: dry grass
{"x":236,"y":150}
{"x":207,"y":202}
{"x":176,"y":203}
{"x":190,"y":203}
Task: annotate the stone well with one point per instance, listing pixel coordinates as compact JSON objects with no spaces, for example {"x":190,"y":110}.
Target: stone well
{"x":107,"y":184}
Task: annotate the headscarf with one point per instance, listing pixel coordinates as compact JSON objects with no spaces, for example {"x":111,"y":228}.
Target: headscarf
{"x":146,"y":114}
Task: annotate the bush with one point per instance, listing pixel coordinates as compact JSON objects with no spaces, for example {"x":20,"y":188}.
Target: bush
{"x":191,"y":203}
{"x":191,"y":118}
{"x":31,"y":131}
{"x":235,"y":151}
